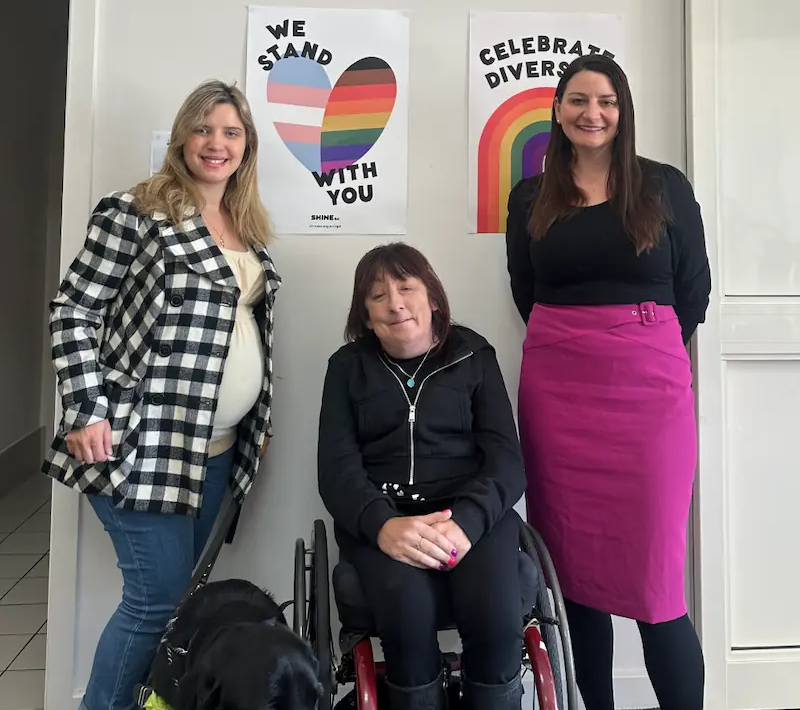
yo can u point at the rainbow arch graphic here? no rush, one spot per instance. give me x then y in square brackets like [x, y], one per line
[512, 146]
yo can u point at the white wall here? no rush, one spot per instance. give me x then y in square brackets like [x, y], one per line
[114, 103]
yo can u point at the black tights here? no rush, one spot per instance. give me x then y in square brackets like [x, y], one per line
[672, 655]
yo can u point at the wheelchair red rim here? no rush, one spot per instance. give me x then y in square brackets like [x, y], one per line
[542, 670]
[366, 686]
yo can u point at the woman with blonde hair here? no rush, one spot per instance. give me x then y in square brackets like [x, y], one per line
[162, 344]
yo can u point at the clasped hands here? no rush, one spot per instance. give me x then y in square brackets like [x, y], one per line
[432, 541]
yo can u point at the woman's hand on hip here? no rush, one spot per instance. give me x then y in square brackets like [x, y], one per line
[457, 538]
[92, 444]
[415, 541]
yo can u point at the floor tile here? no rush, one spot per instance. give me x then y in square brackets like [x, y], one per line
[35, 481]
[37, 489]
[31, 590]
[19, 505]
[11, 519]
[22, 690]
[32, 657]
[40, 484]
[17, 566]
[19, 543]
[42, 568]
[10, 646]
[5, 586]
[22, 619]
[38, 522]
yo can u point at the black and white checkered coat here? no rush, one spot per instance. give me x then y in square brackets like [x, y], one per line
[140, 330]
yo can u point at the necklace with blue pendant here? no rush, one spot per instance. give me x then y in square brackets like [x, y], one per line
[412, 379]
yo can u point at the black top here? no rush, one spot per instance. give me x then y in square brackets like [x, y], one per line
[461, 449]
[587, 259]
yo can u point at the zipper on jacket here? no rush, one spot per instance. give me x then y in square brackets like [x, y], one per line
[412, 408]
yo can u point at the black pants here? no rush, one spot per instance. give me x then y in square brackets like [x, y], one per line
[483, 591]
[672, 655]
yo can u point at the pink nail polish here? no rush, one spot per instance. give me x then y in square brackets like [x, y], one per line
[452, 561]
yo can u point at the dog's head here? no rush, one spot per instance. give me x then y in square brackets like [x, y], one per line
[251, 666]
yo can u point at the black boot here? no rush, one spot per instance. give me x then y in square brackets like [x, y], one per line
[420, 697]
[506, 696]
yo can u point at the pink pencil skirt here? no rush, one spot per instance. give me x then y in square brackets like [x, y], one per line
[607, 424]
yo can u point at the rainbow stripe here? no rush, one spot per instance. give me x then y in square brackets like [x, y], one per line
[512, 146]
[357, 111]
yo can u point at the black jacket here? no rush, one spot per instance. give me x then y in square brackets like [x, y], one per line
[588, 259]
[460, 445]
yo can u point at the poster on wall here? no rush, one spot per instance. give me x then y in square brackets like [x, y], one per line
[329, 94]
[515, 62]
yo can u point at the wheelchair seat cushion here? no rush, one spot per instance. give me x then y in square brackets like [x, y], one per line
[357, 618]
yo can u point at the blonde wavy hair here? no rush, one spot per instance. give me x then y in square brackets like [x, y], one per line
[173, 190]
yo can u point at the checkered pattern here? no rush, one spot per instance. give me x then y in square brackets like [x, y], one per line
[140, 330]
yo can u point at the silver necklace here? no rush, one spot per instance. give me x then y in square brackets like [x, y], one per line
[411, 381]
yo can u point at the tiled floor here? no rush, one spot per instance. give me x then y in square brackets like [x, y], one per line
[24, 545]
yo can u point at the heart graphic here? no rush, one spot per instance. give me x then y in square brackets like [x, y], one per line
[356, 110]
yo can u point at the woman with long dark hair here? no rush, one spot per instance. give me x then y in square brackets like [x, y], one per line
[608, 267]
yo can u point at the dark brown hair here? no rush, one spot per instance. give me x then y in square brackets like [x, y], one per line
[400, 261]
[638, 203]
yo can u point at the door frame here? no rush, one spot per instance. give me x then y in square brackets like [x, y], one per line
[710, 515]
[75, 206]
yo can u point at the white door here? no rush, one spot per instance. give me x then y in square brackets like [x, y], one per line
[745, 152]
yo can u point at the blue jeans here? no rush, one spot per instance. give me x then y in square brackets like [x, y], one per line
[156, 554]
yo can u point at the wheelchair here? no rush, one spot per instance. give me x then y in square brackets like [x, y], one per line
[546, 652]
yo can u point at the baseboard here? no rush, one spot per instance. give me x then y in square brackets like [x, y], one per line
[21, 460]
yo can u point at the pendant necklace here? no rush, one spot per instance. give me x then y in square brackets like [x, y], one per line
[411, 381]
[221, 234]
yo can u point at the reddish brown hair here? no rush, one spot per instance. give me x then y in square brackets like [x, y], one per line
[400, 261]
[637, 202]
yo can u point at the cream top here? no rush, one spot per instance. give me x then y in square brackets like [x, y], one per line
[243, 375]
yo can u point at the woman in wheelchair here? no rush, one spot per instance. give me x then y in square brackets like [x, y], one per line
[419, 465]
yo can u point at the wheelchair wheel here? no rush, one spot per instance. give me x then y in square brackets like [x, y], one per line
[318, 632]
[534, 546]
[299, 604]
[366, 681]
[546, 692]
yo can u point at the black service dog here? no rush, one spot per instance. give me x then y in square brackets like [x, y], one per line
[229, 648]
